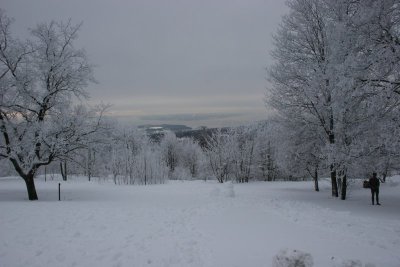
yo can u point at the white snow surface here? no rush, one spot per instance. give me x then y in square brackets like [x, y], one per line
[196, 223]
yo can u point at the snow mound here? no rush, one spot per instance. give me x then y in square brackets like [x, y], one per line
[292, 258]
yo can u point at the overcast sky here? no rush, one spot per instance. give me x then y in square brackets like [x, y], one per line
[172, 61]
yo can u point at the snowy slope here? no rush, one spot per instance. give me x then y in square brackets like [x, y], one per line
[195, 224]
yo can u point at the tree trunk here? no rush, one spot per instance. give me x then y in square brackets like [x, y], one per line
[145, 171]
[89, 164]
[30, 186]
[385, 173]
[316, 180]
[28, 178]
[332, 142]
[344, 187]
[269, 168]
[334, 182]
[63, 170]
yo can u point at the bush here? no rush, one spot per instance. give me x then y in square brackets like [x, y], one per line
[292, 258]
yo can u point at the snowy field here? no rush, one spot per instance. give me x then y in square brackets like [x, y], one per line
[195, 224]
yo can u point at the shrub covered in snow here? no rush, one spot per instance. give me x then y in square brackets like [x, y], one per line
[292, 258]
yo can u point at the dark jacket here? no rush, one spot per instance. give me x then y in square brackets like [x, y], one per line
[374, 183]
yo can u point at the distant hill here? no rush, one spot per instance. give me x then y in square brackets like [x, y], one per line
[160, 128]
[200, 135]
[157, 131]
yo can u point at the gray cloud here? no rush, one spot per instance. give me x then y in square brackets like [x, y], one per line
[162, 57]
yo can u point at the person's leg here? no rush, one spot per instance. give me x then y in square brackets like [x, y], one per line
[372, 196]
[377, 196]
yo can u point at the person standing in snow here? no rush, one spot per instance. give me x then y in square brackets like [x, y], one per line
[374, 184]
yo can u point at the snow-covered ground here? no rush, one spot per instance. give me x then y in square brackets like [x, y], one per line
[195, 224]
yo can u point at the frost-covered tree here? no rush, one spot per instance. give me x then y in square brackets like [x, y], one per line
[365, 53]
[39, 79]
[268, 142]
[218, 152]
[378, 150]
[92, 160]
[133, 142]
[191, 156]
[336, 69]
[304, 149]
[126, 146]
[134, 158]
[150, 166]
[243, 153]
[301, 89]
[242, 141]
[116, 164]
[170, 148]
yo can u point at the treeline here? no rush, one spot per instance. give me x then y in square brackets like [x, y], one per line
[266, 151]
[128, 155]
